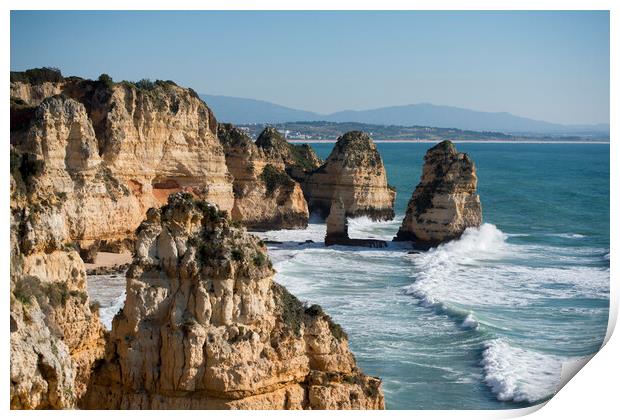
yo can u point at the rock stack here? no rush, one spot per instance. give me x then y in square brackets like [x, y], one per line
[353, 171]
[337, 229]
[266, 197]
[445, 201]
[204, 326]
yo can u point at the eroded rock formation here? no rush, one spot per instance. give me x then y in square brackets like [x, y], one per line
[353, 171]
[445, 201]
[113, 150]
[298, 160]
[204, 326]
[55, 335]
[266, 197]
[337, 228]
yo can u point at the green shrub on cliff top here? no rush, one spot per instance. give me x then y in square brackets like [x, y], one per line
[274, 179]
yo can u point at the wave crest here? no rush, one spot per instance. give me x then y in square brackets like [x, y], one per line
[519, 375]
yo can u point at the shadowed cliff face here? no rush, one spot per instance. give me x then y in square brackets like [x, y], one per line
[354, 172]
[445, 201]
[205, 326]
[266, 197]
[115, 150]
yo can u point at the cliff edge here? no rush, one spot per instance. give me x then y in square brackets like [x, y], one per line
[204, 326]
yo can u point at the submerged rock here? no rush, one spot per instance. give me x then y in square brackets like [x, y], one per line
[353, 171]
[266, 197]
[204, 326]
[445, 201]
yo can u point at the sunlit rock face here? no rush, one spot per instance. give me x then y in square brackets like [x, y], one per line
[445, 201]
[266, 197]
[114, 150]
[204, 326]
[56, 336]
[354, 172]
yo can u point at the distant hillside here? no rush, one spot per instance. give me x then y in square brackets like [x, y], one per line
[250, 111]
[464, 119]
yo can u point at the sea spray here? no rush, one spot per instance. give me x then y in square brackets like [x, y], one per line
[516, 374]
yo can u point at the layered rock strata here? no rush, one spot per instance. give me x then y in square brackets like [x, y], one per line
[266, 197]
[113, 150]
[204, 326]
[445, 201]
[354, 172]
[56, 335]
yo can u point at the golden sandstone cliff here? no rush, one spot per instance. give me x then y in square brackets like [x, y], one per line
[55, 335]
[204, 326]
[266, 197]
[445, 201]
[88, 158]
[115, 150]
[353, 172]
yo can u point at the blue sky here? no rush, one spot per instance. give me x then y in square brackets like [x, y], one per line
[552, 66]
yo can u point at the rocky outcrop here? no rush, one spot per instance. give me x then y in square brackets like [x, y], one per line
[205, 327]
[338, 230]
[445, 201]
[336, 223]
[113, 150]
[353, 171]
[298, 160]
[266, 197]
[55, 335]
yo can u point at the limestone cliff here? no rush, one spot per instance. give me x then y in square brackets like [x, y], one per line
[337, 229]
[445, 201]
[55, 336]
[298, 160]
[204, 326]
[354, 172]
[266, 197]
[113, 150]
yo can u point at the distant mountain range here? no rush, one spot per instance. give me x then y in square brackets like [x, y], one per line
[252, 111]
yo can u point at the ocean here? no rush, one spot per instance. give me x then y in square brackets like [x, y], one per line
[482, 322]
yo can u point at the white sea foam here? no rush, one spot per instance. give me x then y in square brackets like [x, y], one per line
[470, 321]
[482, 268]
[107, 314]
[568, 235]
[519, 375]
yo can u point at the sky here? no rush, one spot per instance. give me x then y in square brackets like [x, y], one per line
[551, 66]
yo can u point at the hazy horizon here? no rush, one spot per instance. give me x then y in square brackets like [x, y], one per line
[550, 66]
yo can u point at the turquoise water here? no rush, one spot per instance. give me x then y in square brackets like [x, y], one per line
[487, 321]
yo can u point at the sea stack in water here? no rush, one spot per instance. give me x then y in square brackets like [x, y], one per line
[204, 326]
[337, 229]
[353, 171]
[266, 197]
[445, 201]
